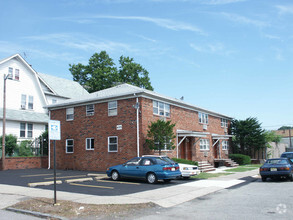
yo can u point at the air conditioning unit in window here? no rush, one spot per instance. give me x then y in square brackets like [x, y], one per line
[22, 106]
[206, 154]
[226, 130]
[205, 127]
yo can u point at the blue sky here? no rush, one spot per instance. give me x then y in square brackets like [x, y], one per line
[229, 56]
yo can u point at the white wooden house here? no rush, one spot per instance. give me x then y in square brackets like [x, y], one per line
[27, 92]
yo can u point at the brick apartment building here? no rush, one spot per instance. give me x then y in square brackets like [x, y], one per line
[109, 127]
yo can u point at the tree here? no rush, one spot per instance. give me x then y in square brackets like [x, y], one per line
[285, 128]
[101, 73]
[248, 136]
[160, 135]
[10, 144]
[133, 73]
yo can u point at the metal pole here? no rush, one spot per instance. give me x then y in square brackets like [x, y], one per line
[55, 199]
[4, 122]
[290, 138]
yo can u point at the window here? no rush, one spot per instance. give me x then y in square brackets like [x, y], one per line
[29, 130]
[23, 101]
[10, 72]
[90, 110]
[16, 77]
[112, 108]
[225, 145]
[204, 144]
[90, 144]
[30, 102]
[69, 114]
[160, 108]
[69, 145]
[113, 144]
[224, 123]
[203, 118]
[22, 130]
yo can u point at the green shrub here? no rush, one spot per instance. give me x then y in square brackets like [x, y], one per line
[24, 149]
[179, 160]
[10, 144]
[241, 159]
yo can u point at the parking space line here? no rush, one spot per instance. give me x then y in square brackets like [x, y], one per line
[64, 177]
[38, 175]
[105, 187]
[109, 181]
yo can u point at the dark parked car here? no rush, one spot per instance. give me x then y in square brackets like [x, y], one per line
[277, 168]
[151, 169]
[288, 155]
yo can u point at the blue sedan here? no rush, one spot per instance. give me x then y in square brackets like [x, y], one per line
[277, 168]
[151, 169]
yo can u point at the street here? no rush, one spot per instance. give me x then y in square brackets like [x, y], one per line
[256, 200]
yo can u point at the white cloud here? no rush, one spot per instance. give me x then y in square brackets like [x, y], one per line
[244, 20]
[222, 2]
[285, 9]
[211, 48]
[272, 37]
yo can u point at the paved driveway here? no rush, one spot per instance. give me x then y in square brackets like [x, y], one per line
[86, 182]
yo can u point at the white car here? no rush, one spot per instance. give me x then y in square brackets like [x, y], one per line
[188, 170]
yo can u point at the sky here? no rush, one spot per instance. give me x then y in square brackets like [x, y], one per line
[233, 57]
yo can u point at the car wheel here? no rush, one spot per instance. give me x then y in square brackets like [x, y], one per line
[263, 178]
[115, 175]
[291, 177]
[167, 181]
[151, 178]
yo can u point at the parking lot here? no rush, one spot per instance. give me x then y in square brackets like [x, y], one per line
[86, 182]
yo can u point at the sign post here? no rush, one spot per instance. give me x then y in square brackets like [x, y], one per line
[54, 134]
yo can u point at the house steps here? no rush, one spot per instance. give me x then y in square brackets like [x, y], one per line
[226, 162]
[204, 166]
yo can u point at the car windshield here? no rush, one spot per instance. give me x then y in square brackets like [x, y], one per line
[277, 161]
[288, 155]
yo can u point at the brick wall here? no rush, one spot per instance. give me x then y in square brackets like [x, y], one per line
[14, 163]
[100, 126]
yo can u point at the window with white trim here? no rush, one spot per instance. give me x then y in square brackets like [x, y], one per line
[23, 101]
[90, 143]
[204, 144]
[90, 110]
[113, 144]
[22, 130]
[30, 102]
[161, 108]
[224, 123]
[69, 114]
[29, 130]
[10, 72]
[69, 146]
[112, 108]
[203, 118]
[16, 76]
[225, 145]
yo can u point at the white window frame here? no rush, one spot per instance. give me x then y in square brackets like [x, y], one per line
[112, 108]
[30, 102]
[204, 144]
[10, 72]
[225, 145]
[112, 144]
[16, 75]
[161, 108]
[224, 123]
[30, 128]
[89, 143]
[90, 109]
[69, 114]
[22, 132]
[203, 118]
[67, 145]
[23, 102]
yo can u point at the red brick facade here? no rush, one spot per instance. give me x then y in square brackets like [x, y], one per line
[100, 126]
[15, 163]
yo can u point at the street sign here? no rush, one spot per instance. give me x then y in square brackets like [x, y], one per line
[54, 130]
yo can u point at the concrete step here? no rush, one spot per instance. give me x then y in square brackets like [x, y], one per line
[204, 166]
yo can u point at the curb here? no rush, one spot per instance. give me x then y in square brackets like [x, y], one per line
[37, 214]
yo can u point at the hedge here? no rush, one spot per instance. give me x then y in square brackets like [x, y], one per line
[241, 159]
[179, 160]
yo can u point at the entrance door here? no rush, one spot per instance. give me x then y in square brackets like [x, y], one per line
[216, 150]
[186, 151]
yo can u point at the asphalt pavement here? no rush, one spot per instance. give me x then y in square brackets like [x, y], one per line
[165, 195]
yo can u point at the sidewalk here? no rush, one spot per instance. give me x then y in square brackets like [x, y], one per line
[165, 197]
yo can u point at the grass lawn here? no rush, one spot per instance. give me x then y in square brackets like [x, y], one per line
[204, 175]
[244, 168]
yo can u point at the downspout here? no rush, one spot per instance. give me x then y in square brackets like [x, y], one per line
[49, 146]
[137, 124]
